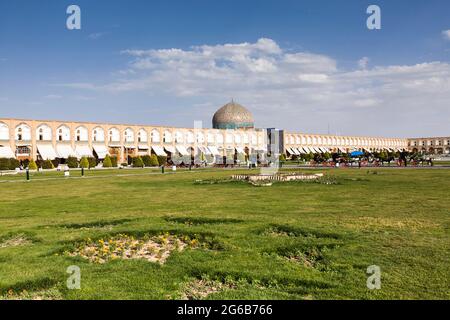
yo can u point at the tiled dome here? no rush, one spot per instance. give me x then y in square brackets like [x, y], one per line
[233, 116]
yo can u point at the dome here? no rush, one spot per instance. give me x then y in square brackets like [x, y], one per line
[232, 116]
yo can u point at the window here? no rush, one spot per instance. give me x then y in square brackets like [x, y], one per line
[41, 134]
[19, 134]
[78, 135]
[60, 137]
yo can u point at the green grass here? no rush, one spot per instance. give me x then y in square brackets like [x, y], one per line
[288, 241]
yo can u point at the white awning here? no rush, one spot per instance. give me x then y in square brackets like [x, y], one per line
[289, 150]
[6, 152]
[64, 151]
[47, 151]
[170, 149]
[342, 150]
[239, 150]
[143, 147]
[83, 151]
[297, 151]
[114, 144]
[159, 151]
[307, 150]
[317, 149]
[204, 150]
[324, 150]
[182, 150]
[214, 151]
[101, 151]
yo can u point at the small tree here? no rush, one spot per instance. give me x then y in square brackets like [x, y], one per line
[47, 164]
[72, 162]
[154, 161]
[32, 165]
[4, 164]
[147, 160]
[13, 163]
[282, 157]
[107, 162]
[114, 162]
[162, 160]
[137, 162]
[84, 163]
[92, 162]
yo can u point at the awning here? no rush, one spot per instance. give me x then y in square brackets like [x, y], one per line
[83, 151]
[204, 150]
[170, 149]
[317, 150]
[47, 151]
[324, 150]
[114, 145]
[239, 150]
[342, 150]
[101, 151]
[64, 151]
[159, 151]
[182, 150]
[143, 147]
[214, 151]
[6, 152]
[307, 150]
[289, 150]
[299, 150]
[130, 147]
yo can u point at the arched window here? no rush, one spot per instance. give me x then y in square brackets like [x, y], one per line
[4, 132]
[155, 136]
[44, 133]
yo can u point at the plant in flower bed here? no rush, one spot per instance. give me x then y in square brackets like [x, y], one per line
[44, 294]
[14, 240]
[122, 246]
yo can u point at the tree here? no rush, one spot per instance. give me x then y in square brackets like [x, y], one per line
[47, 164]
[92, 162]
[162, 160]
[13, 164]
[137, 162]
[107, 162]
[147, 160]
[114, 161]
[154, 161]
[282, 157]
[72, 162]
[4, 164]
[84, 163]
[32, 165]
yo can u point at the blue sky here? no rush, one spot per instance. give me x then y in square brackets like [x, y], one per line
[117, 67]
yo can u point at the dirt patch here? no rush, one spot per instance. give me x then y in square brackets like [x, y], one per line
[290, 231]
[310, 256]
[200, 220]
[151, 248]
[103, 224]
[201, 288]
[15, 240]
[44, 294]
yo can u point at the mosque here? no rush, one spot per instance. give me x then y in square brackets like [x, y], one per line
[233, 136]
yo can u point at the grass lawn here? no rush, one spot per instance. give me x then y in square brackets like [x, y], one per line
[288, 241]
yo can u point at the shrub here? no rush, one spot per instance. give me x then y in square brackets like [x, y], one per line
[25, 163]
[47, 164]
[282, 157]
[147, 160]
[13, 164]
[32, 165]
[154, 161]
[4, 164]
[137, 162]
[92, 162]
[107, 162]
[114, 162]
[84, 163]
[162, 160]
[56, 162]
[72, 162]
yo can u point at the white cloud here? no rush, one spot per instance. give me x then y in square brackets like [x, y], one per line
[96, 35]
[363, 62]
[446, 34]
[289, 89]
